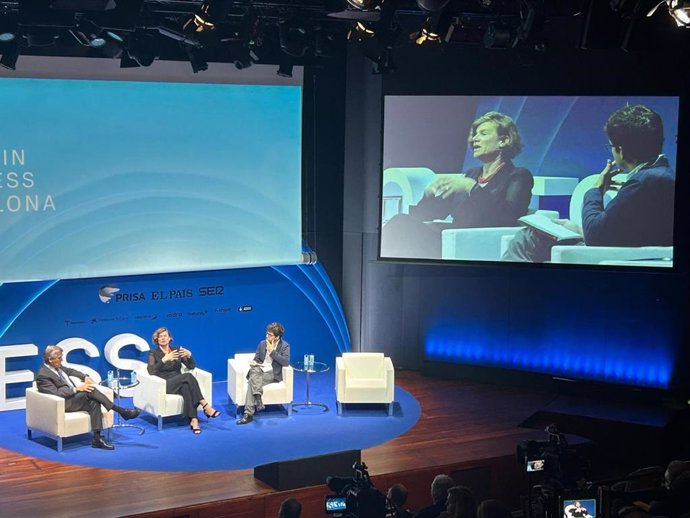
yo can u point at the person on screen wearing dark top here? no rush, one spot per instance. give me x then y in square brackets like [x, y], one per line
[272, 354]
[166, 361]
[578, 510]
[495, 194]
[641, 214]
[54, 378]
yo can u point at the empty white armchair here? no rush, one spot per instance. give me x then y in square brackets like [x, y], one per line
[364, 378]
[279, 393]
[46, 413]
[150, 395]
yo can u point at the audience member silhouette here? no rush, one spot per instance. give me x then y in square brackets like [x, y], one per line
[290, 508]
[439, 493]
[397, 496]
[493, 509]
[460, 503]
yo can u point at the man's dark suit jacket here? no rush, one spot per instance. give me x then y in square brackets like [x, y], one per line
[50, 383]
[280, 357]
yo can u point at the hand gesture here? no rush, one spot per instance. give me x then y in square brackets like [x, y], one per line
[185, 353]
[448, 185]
[270, 346]
[85, 387]
[605, 180]
[171, 355]
[570, 225]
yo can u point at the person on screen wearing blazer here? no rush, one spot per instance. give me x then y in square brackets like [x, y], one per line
[54, 378]
[495, 194]
[272, 354]
[166, 362]
[641, 214]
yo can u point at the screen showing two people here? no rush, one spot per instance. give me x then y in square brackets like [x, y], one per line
[579, 180]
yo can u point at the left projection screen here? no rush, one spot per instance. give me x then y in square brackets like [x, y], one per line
[113, 177]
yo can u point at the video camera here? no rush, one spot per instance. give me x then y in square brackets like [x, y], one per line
[355, 497]
[559, 469]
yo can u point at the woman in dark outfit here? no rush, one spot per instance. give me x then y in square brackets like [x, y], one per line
[166, 362]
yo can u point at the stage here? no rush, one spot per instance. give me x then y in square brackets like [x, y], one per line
[468, 430]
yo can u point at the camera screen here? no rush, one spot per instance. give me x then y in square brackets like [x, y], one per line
[582, 508]
[335, 504]
[535, 465]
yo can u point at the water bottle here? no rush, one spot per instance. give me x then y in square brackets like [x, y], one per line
[306, 362]
[111, 375]
[311, 362]
[133, 377]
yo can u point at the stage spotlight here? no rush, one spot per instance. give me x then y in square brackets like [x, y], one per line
[499, 36]
[678, 9]
[140, 50]
[9, 29]
[293, 39]
[196, 60]
[364, 5]
[88, 34]
[429, 33]
[285, 68]
[432, 6]
[9, 54]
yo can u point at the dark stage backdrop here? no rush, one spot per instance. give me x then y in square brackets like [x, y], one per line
[626, 328]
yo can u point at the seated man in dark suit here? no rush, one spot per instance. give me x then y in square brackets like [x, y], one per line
[641, 214]
[271, 356]
[53, 378]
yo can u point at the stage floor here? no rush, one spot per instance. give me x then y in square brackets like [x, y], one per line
[468, 430]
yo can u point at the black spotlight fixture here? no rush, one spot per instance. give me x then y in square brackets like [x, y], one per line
[9, 29]
[139, 51]
[432, 6]
[196, 59]
[429, 34]
[364, 5]
[9, 54]
[678, 9]
[285, 67]
[88, 34]
[293, 38]
[499, 36]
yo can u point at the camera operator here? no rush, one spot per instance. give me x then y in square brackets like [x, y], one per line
[362, 499]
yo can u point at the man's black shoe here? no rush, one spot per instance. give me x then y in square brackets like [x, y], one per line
[129, 413]
[246, 418]
[99, 442]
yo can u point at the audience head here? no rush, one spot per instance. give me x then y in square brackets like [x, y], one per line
[397, 495]
[493, 509]
[276, 329]
[633, 511]
[290, 508]
[638, 130]
[158, 332]
[439, 488]
[461, 503]
[675, 470]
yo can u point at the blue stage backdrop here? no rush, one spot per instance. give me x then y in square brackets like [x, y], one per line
[214, 314]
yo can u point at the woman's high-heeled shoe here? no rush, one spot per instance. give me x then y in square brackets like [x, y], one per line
[195, 431]
[215, 413]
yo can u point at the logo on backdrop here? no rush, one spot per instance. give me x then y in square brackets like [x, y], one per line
[110, 292]
[17, 184]
[106, 293]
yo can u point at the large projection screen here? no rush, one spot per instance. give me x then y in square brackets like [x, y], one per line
[161, 172]
[519, 179]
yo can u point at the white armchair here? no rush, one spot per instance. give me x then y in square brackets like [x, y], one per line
[46, 413]
[150, 395]
[364, 378]
[274, 393]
